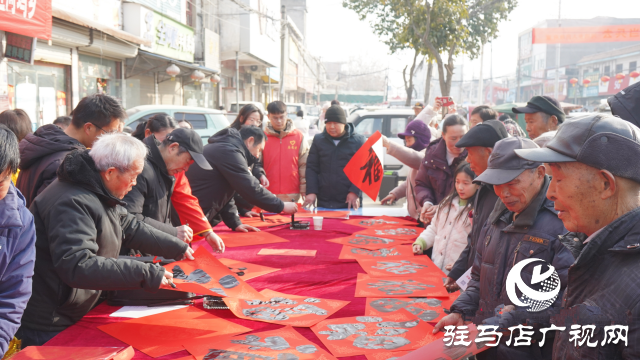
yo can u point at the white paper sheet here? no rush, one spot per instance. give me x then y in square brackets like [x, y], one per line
[136, 312]
[463, 282]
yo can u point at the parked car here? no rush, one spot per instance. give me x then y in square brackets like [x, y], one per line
[389, 122]
[233, 109]
[205, 122]
[293, 108]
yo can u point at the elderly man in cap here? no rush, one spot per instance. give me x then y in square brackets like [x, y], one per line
[479, 142]
[597, 192]
[542, 114]
[417, 109]
[522, 226]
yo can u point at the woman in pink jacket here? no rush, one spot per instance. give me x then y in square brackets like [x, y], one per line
[416, 137]
[451, 224]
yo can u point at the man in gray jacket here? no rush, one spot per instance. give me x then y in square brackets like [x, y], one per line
[523, 226]
[81, 225]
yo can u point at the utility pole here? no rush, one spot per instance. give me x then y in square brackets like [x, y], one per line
[480, 83]
[283, 42]
[491, 76]
[238, 81]
[556, 89]
[318, 78]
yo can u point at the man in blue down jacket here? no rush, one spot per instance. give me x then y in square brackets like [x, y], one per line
[17, 239]
[523, 225]
[596, 189]
[329, 154]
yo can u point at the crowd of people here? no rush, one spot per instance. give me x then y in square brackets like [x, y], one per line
[80, 202]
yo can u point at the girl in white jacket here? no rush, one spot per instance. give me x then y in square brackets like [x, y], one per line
[451, 224]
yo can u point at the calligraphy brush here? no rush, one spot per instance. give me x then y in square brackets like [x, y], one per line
[262, 216]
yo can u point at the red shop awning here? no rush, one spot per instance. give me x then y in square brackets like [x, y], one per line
[27, 17]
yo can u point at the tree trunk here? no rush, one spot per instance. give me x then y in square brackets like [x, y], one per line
[449, 76]
[427, 85]
[408, 85]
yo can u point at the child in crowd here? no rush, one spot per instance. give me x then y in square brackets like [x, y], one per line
[451, 224]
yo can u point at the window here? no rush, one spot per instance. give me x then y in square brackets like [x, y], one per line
[618, 68]
[396, 126]
[133, 125]
[198, 121]
[219, 121]
[607, 70]
[368, 126]
[633, 66]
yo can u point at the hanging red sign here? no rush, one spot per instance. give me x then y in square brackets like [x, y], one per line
[26, 17]
[366, 167]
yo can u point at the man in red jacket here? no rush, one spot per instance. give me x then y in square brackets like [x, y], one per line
[285, 155]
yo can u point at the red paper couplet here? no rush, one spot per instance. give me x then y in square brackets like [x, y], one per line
[207, 275]
[269, 220]
[417, 266]
[365, 169]
[246, 270]
[438, 349]
[393, 232]
[284, 309]
[165, 333]
[328, 214]
[284, 343]
[367, 286]
[396, 252]
[371, 334]
[381, 221]
[75, 353]
[426, 309]
[237, 239]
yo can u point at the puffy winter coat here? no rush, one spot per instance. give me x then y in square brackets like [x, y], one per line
[435, 177]
[412, 159]
[503, 243]
[40, 156]
[484, 203]
[80, 228]
[150, 199]
[603, 289]
[285, 161]
[230, 159]
[447, 234]
[17, 240]
[325, 168]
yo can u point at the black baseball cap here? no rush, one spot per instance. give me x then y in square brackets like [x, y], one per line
[601, 141]
[485, 134]
[418, 104]
[545, 104]
[190, 140]
[504, 165]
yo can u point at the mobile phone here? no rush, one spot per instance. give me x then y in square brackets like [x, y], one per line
[446, 101]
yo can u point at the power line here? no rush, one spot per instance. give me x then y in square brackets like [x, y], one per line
[371, 73]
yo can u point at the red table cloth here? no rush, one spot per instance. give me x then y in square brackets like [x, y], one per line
[323, 276]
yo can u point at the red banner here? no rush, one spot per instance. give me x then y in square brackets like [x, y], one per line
[26, 17]
[365, 169]
[590, 34]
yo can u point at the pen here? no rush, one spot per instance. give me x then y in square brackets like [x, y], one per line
[189, 241]
[172, 284]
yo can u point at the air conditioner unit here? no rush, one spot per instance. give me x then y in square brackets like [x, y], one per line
[254, 67]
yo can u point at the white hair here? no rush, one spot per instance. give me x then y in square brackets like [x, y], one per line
[118, 151]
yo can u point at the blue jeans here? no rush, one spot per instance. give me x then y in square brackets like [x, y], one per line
[34, 337]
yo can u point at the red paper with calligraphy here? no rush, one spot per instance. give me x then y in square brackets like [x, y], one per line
[441, 349]
[366, 242]
[366, 167]
[409, 233]
[27, 17]
[417, 266]
[284, 343]
[246, 270]
[207, 275]
[380, 221]
[284, 309]
[367, 286]
[396, 252]
[426, 309]
[361, 335]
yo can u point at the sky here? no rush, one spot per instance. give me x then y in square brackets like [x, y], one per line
[336, 33]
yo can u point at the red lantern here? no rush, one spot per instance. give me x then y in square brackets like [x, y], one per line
[634, 74]
[586, 82]
[620, 76]
[573, 81]
[604, 79]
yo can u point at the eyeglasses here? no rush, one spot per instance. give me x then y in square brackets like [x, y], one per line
[105, 131]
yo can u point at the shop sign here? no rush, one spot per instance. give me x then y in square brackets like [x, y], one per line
[170, 8]
[20, 48]
[105, 12]
[168, 37]
[211, 49]
[26, 17]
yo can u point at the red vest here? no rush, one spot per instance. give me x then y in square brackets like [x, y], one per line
[280, 161]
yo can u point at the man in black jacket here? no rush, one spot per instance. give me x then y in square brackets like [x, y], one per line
[150, 198]
[596, 190]
[42, 152]
[329, 154]
[479, 142]
[81, 225]
[231, 153]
